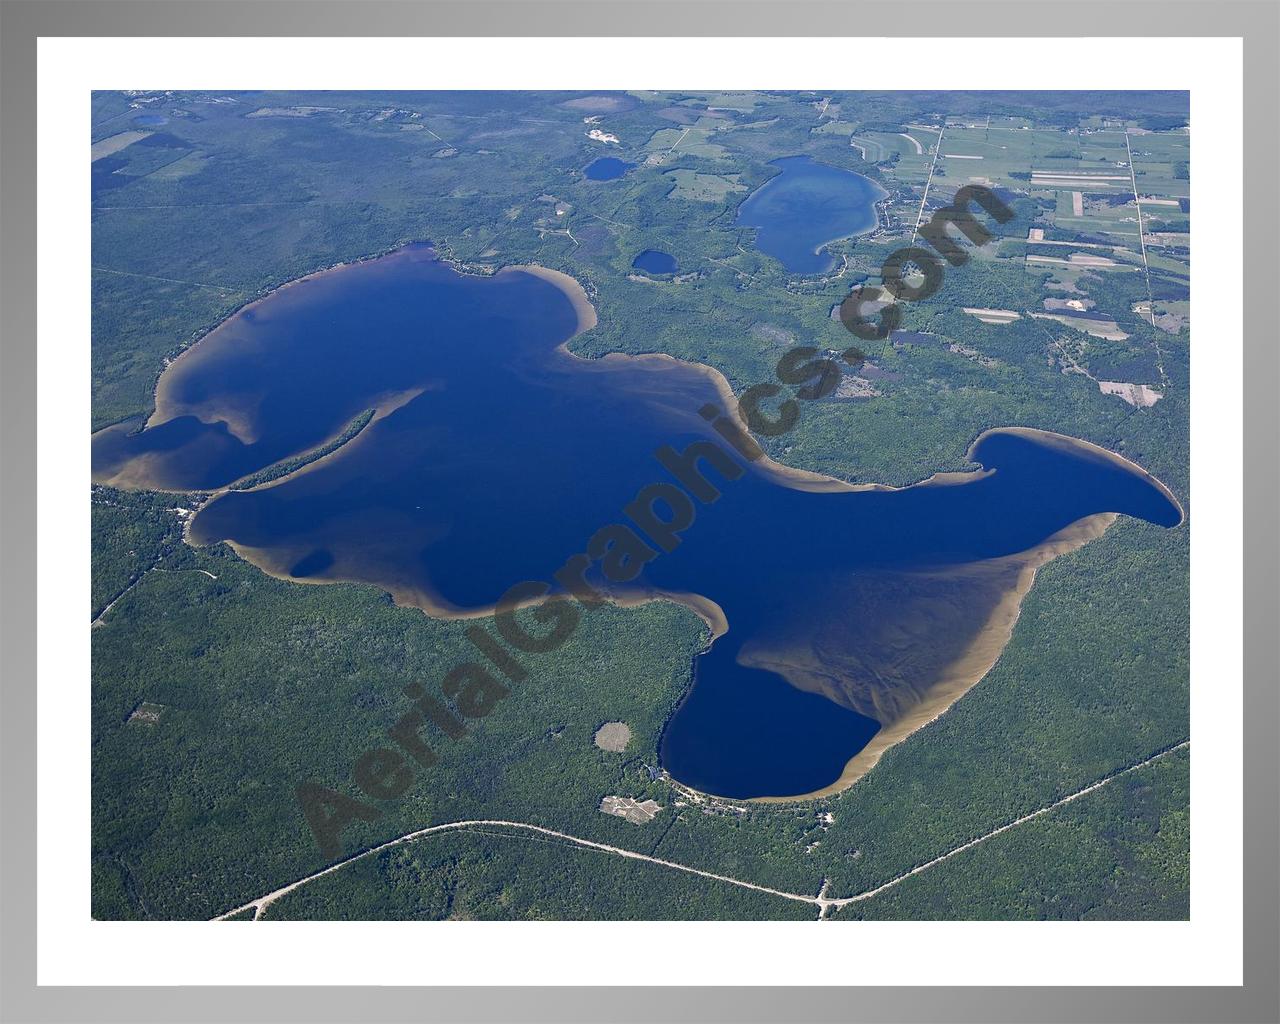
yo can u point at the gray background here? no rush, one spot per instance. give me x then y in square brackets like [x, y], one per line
[1258, 21]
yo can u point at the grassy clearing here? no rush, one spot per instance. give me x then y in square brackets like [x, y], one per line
[703, 188]
[114, 144]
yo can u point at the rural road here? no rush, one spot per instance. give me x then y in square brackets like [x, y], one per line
[102, 615]
[823, 902]
[929, 181]
[1146, 267]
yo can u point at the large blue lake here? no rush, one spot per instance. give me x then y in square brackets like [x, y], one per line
[498, 454]
[804, 207]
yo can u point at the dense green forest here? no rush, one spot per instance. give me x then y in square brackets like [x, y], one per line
[1118, 854]
[263, 684]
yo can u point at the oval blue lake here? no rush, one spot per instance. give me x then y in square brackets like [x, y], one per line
[495, 456]
[654, 261]
[606, 168]
[150, 120]
[804, 207]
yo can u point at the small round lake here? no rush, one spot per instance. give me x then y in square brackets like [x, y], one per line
[805, 207]
[654, 261]
[607, 168]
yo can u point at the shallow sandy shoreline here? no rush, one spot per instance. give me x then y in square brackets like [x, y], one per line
[163, 407]
[972, 667]
[436, 607]
[569, 285]
[1063, 441]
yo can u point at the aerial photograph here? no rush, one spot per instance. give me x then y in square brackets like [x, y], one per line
[640, 505]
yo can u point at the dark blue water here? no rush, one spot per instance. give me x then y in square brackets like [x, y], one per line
[654, 261]
[504, 454]
[607, 168]
[150, 120]
[805, 206]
